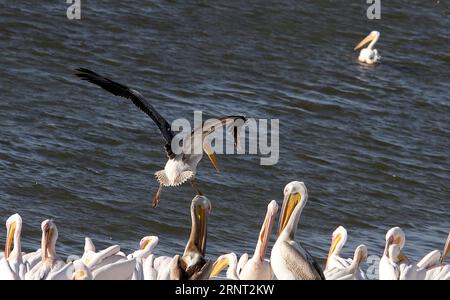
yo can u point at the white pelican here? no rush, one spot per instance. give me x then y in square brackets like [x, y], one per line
[149, 272]
[228, 261]
[395, 236]
[339, 238]
[161, 265]
[351, 271]
[193, 265]
[94, 260]
[6, 273]
[391, 268]
[75, 270]
[434, 263]
[50, 261]
[119, 270]
[14, 257]
[146, 246]
[257, 268]
[369, 55]
[179, 168]
[241, 262]
[289, 259]
[107, 264]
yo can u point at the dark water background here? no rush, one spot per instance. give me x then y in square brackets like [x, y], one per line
[371, 143]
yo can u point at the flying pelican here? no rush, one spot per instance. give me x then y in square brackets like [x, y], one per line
[289, 259]
[179, 168]
[395, 236]
[14, 257]
[257, 268]
[228, 261]
[339, 238]
[350, 271]
[50, 261]
[193, 265]
[369, 55]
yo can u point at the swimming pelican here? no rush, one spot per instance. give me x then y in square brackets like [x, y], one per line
[228, 261]
[434, 263]
[391, 268]
[289, 259]
[395, 236]
[75, 270]
[107, 264]
[50, 261]
[162, 266]
[369, 55]
[94, 260]
[14, 257]
[146, 246]
[149, 272]
[120, 270]
[339, 238]
[193, 265]
[81, 271]
[350, 271]
[180, 168]
[257, 268]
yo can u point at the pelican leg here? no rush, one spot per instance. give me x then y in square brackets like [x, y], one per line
[157, 197]
[195, 187]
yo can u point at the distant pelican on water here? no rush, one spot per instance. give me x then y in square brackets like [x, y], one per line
[179, 168]
[369, 55]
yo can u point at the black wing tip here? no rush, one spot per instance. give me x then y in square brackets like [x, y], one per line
[84, 73]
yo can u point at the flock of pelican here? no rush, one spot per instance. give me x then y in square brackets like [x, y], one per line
[288, 258]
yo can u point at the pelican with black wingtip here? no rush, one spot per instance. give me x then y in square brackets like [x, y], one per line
[180, 167]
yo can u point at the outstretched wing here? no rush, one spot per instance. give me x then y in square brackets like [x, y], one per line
[232, 123]
[138, 100]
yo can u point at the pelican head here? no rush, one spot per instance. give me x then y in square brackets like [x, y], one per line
[226, 260]
[395, 236]
[13, 228]
[360, 254]
[295, 198]
[49, 237]
[148, 243]
[200, 210]
[371, 38]
[338, 239]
